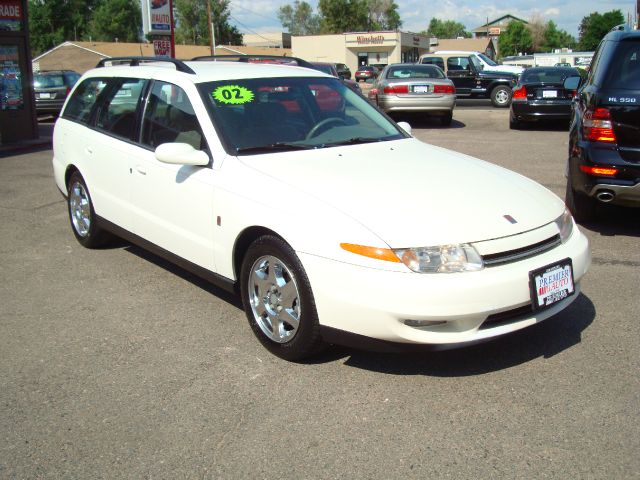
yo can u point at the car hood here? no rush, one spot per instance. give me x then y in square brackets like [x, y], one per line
[412, 194]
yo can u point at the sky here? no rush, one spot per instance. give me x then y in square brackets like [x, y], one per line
[261, 16]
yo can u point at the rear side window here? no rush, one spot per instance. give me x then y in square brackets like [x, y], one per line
[457, 63]
[170, 117]
[83, 99]
[624, 66]
[438, 61]
[118, 114]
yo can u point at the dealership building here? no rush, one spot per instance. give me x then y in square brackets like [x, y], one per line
[361, 48]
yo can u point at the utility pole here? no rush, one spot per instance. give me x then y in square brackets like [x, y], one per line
[212, 35]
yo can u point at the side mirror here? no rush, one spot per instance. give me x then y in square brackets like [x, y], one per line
[405, 126]
[572, 83]
[181, 154]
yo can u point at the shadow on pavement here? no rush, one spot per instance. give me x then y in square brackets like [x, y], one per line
[613, 220]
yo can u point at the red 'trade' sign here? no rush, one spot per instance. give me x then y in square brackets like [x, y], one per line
[11, 15]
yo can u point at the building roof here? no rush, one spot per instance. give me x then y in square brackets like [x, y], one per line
[502, 21]
[123, 49]
[464, 44]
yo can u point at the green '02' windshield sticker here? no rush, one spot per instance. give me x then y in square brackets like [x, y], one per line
[233, 94]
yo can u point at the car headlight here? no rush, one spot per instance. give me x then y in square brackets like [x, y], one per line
[441, 259]
[565, 225]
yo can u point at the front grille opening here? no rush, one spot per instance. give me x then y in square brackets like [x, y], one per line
[508, 316]
[510, 256]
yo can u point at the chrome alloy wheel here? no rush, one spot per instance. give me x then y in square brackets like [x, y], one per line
[80, 209]
[274, 298]
[502, 97]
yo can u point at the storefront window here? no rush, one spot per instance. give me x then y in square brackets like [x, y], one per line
[10, 78]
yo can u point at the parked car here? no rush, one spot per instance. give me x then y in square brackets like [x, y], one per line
[367, 72]
[343, 71]
[471, 79]
[330, 69]
[540, 96]
[481, 61]
[407, 87]
[51, 89]
[238, 173]
[604, 144]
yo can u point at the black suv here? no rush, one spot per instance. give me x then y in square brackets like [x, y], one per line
[51, 89]
[604, 137]
[470, 80]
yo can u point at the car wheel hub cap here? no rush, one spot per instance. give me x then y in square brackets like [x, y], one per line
[274, 298]
[80, 209]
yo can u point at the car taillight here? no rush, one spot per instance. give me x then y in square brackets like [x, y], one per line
[68, 92]
[396, 89]
[444, 89]
[597, 126]
[599, 171]
[519, 94]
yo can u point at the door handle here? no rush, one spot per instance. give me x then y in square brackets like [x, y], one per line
[140, 170]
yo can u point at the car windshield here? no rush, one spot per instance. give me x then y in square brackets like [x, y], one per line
[264, 114]
[548, 75]
[414, 71]
[487, 60]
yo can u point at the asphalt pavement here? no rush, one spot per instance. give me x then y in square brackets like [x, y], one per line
[115, 364]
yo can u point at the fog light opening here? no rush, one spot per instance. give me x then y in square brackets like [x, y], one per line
[423, 323]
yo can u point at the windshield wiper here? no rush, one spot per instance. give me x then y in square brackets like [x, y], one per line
[278, 146]
[356, 141]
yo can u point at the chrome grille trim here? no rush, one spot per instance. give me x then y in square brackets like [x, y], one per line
[510, 256]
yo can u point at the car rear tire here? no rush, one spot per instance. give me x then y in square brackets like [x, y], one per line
[582, 207]
[82, 215]
[446, 119]
[278, 300]
[501, 96]
[514, 124]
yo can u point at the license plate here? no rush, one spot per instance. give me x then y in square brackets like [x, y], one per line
[551, 284]
[45, 95]
[550, 94]
[421, 89]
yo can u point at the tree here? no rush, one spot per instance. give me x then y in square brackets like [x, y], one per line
[117, 20]
[192, 23]
[299, 19]
[52, 22]
[383, 15]
[595, 26]
[554, 38]
[516, 39]
[537, 27]
[446, 29]
[339, 16]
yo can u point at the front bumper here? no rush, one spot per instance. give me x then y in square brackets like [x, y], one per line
[377, 304]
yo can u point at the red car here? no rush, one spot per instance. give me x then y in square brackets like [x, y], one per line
[367, 72]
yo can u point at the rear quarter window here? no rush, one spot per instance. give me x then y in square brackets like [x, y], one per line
[623, 71]
[438, 61]
[83, 99]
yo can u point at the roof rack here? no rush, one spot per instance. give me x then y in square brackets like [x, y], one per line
[273, 59]
[137, 61]
[623, 27]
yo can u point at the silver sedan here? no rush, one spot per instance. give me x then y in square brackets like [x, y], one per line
[415, 88]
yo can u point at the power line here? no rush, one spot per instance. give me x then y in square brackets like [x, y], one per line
[235, 5]
[253, 31]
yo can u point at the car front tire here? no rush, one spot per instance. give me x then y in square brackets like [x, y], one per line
[278, 301]
[82, 215]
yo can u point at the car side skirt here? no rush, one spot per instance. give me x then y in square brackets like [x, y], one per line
[211, 277]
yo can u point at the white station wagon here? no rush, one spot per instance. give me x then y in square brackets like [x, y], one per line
[332, 222]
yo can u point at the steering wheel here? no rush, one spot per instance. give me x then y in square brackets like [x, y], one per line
[316, 129]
